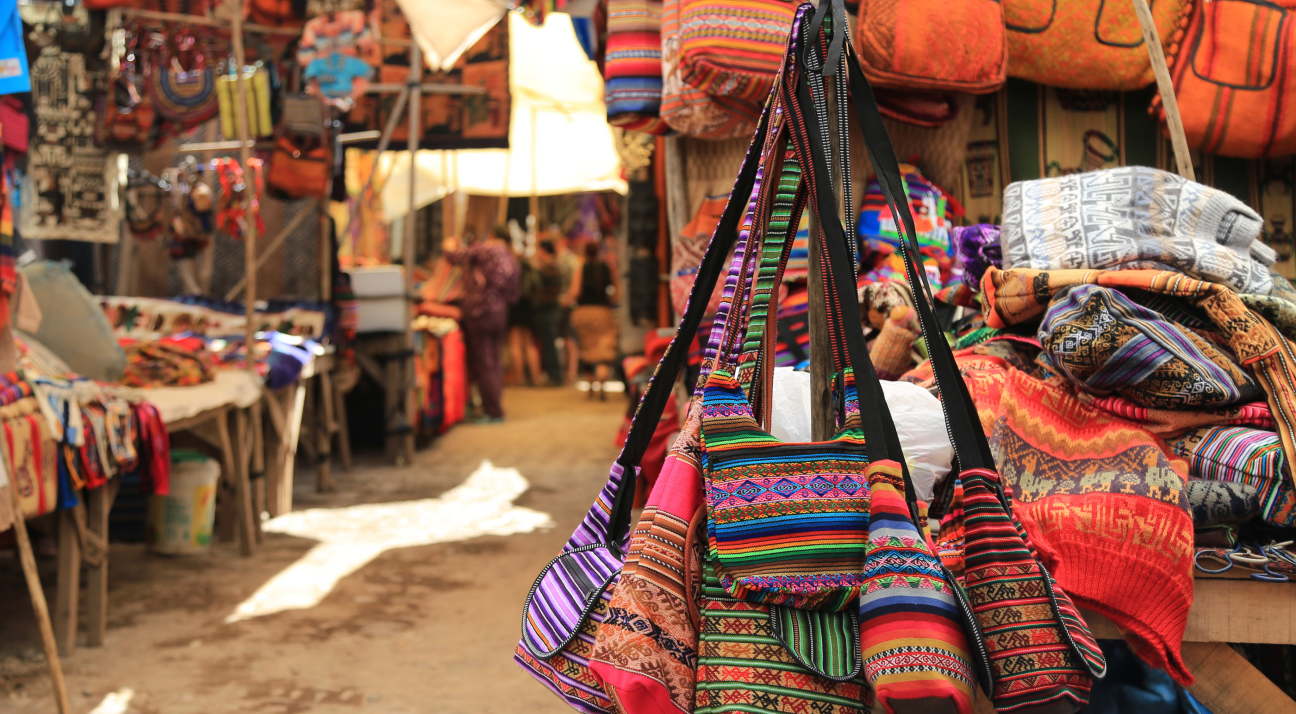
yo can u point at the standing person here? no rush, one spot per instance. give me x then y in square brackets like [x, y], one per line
[524, 358]
[570, 265]
[491, 285]
[594, 291]
[546, 309]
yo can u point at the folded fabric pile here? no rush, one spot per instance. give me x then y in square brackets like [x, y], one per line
[61, 433]
[1130, 369]
[166, 363]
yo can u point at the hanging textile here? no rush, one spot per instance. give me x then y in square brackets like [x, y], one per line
[71, 187]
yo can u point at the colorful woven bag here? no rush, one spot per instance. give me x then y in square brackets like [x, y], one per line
[184, 97]
[1040, 652]
[1041, 649]
[934, 45]
[912, 614]
[632, 68]
[733, 48]
[1233, 79]
[1085, 44]
[745, 664]
[569, 598]
[690, 110]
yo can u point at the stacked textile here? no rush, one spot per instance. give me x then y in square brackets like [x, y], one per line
[1129, 368]
[63, 433]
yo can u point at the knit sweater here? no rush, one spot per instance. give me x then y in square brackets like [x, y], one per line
[1135, 218]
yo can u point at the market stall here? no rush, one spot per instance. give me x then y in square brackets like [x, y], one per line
[1091, 264]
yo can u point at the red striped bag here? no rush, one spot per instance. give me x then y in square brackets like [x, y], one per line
[1234, 77]
[690, 110]
[732, 48]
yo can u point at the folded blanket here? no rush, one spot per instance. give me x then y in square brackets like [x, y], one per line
[1135, 218]
[1107, 343]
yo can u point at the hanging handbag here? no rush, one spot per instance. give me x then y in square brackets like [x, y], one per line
[733, 48]
[934, 45]
[1232, 78]
[1041, 654]
[300, 165]
[632, 69]
[689, 110]
[1085, 44]
[569, 597]
[186, 97]
[920, 644]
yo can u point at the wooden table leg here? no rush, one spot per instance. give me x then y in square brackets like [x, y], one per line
[343, 429]
[257, 470]
[39, 605]
[242, 491]
[69, 583]
[97, 575]
[394, 408]
[324, 434]
[296, 402]
[1228, 684]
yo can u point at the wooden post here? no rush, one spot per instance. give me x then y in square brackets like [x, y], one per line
[245, 156]
[823, 422]
[1165, 87]
[69, 583]
[233, 464]
[407, 394]
[38, 603]
[99, 503]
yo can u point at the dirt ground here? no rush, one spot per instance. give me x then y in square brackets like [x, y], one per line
[420, 629]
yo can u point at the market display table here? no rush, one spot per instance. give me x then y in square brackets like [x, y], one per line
[203, 410]
[1231, 610]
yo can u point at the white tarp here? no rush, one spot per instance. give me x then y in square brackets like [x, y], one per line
[445, 29]
[559, 138]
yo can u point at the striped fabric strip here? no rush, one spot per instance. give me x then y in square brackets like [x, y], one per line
[1040, 649]
[736, 276]
[774, 253]
[743, 667]
[913, 640]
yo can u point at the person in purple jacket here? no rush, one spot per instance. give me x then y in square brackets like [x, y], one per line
[491, 283]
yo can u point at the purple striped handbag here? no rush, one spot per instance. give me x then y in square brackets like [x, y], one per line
[569, 598]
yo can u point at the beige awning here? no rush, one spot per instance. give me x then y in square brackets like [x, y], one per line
[559, 138]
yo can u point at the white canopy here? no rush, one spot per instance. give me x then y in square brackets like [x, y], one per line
[559, 138]
[445, 29]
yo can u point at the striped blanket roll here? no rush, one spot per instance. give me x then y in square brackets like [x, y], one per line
[1243, 455]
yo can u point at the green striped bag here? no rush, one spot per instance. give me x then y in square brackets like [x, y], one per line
[763, 658]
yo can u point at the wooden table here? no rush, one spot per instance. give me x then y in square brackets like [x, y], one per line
[211, 426]
[1230, 610]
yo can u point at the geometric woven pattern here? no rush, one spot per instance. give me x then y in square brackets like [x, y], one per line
[787, 523]
[1040, 649]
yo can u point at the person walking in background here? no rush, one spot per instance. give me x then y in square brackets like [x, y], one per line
[594, 290]
[491, 284]
[546, 309]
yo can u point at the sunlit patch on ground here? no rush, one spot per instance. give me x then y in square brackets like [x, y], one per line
[349, 538]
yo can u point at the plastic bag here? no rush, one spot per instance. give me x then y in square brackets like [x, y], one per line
[918, 420]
